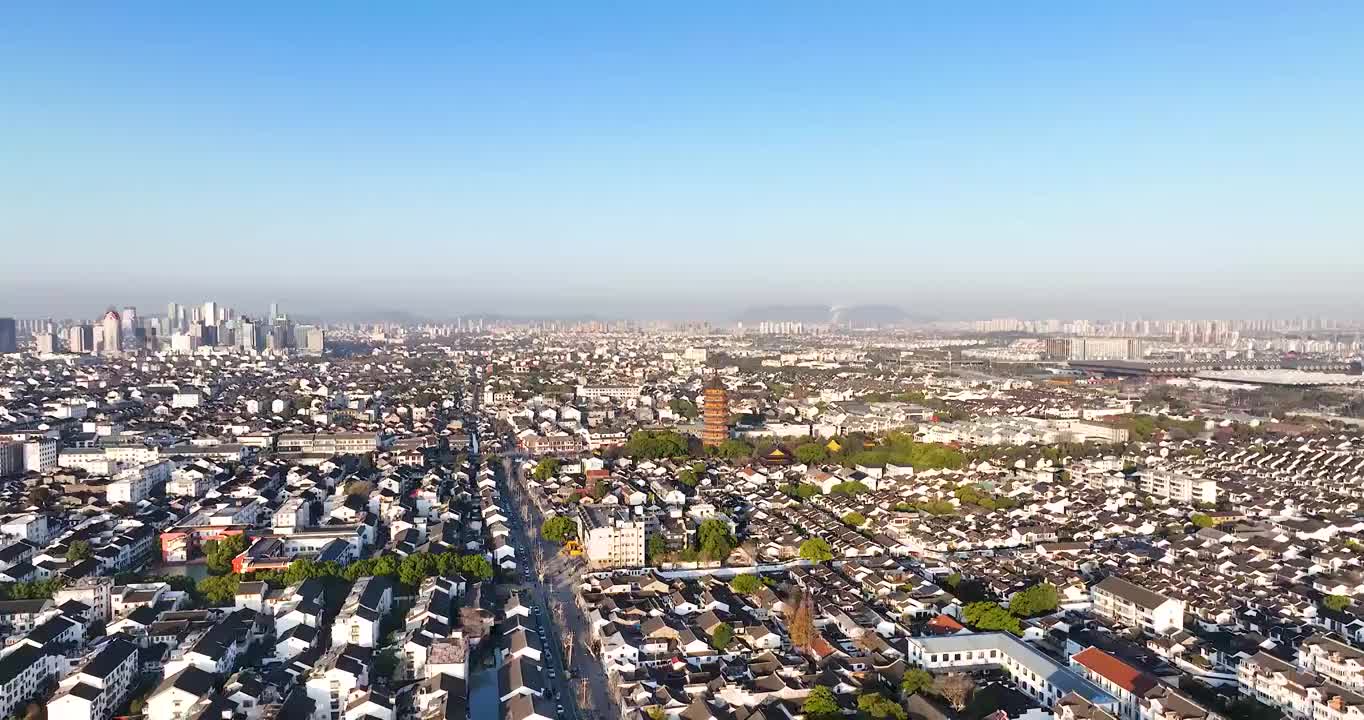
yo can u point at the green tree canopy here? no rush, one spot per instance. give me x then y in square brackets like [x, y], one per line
[713, 539]
[734, 449]
[218, 554]
[879, 707]
[816, 550]
[546, 469]
[1036, 600]
[219, 590]
[559, 529]
[851, 487]
[987, 616]
[746, 584]
[854, 519]
[1201, 520]
[1336, 602]
[77, 551]
[683, 407]
[721, 636]
[812, 453]
[656, 444]
[915, 681]
[820, 704]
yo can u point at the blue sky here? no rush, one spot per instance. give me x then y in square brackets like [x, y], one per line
[678, 159]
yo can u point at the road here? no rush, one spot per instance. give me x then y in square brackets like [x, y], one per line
[556, 588]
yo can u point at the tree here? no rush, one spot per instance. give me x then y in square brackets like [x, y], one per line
[801, 623]
[1201, 520]
[985, 615]
[851, 487]
[219, 590]
[721, 636]
[915, 681]
[820, 704]
[812, 453]
[656, 713]
[417, 567]
[734, 450]
[546, 469]
[219, 553]
[385, 664]
[559, 529]
[714, 540]
[879, 707]
[1036, 600]
[359, 487]
[816, 550]
[77, 551]
[801, 491]
[683, 407]
[40, 496]
[1336, 602]
[956, 689]
[656, 444]
[687, 477]
[656, 547]
[746, 584]
[476, 567]
[854, 519]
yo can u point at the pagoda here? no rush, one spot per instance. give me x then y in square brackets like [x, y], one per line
[715, 413]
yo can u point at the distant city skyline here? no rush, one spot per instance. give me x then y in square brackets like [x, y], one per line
[685, 161]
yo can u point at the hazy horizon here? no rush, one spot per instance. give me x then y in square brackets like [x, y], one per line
[1065, 160]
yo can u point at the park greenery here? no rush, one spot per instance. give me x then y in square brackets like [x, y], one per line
[1036, 600]
[987, 616]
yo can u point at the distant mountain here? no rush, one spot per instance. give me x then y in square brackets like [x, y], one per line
[857, 315]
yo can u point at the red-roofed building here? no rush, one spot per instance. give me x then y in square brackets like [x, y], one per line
[1140, 694]
[944, 625]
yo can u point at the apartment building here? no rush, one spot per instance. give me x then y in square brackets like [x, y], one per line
[610, 392]
[1132, 605]
[611, 537]
[1331, 657]
[23, 673]
[341, 443]
[1176, 487]
[1299, 695]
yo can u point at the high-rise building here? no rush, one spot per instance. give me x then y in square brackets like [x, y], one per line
[274, 313]
[113, 333]
[210, 313]
[715, 413]
[80, 339]
[46, 342]
[248, 336]
[9, 335]
[129, 318]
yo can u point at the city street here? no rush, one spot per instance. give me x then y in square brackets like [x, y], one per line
[553, 586]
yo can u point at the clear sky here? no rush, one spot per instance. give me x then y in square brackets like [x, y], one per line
[684, 158]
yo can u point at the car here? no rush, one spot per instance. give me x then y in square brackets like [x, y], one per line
[552, 674]
[559, 709]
